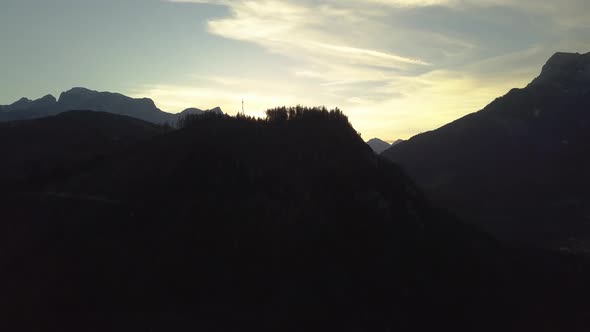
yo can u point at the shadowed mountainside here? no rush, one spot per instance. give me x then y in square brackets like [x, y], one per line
[519, 167]
[285, 224]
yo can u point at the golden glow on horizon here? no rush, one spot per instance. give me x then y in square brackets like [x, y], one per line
[393, 80]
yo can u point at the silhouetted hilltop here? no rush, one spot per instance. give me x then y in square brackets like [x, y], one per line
[85, 99]
[42, 147]
[378, 145]
[519, 167]
[285, 224]
[197, 111]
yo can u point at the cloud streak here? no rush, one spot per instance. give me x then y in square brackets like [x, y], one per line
[400, 67]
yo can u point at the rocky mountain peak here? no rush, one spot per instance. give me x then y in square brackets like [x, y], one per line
[566, 70]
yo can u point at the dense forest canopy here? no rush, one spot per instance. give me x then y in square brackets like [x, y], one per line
[273, 115]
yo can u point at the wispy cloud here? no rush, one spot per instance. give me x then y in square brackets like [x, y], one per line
[401, 66]
[317, 32]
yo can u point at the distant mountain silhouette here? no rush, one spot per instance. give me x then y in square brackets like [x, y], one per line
[144, 109]
[378, 145]
[519, 167]
[233, 224]
[24, 103]
[25, 109]
[85, 99]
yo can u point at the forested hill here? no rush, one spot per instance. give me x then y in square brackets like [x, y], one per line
[285, 224]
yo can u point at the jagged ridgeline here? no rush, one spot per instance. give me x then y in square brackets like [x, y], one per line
[63, 143]
[289, 223]
[84, 99]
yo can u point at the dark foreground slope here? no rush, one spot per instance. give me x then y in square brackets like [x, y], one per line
[280, 225]
[44, 147]
[519, 167]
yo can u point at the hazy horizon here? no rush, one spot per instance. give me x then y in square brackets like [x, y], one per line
[396, 67]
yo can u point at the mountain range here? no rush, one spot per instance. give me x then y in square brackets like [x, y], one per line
[519, 167]
[232, 223]
[85, 99]
[293, 222]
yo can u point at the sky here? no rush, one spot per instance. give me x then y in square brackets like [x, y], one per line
[395, 67]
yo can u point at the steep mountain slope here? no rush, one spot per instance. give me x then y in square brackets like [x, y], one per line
[519, 167]
[236, 224]
[378, 145]
[85, 99]
[42, 147]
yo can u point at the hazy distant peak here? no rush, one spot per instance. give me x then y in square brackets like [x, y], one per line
[84, 93]
[48, 97]
[80, 98]
[74, 95]
[378, 145]
[26, 103]
[47, 100]
[23, 102]
[375, 139]
[77, 92]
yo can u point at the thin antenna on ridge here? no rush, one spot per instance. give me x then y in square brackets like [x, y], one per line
[243, 112]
